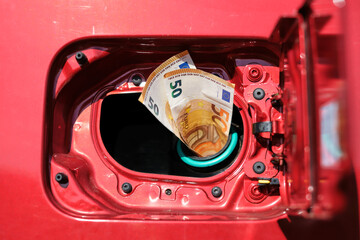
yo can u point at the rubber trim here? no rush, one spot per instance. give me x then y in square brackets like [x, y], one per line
[211, 162]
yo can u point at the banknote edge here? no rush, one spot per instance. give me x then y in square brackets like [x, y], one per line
[190, 70]
[157, 70]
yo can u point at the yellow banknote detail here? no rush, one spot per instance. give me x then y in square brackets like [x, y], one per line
[201, 109]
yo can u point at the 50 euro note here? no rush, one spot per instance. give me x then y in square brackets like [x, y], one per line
[154, 96]
[200, 108]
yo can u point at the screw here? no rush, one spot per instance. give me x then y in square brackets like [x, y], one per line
[259, 93]
[254, 74]
[81, 59]
[168, 192]
[256, 192]
[126, 187]
[62, 179]
[259, 167]
[136, 80]
[216, 192]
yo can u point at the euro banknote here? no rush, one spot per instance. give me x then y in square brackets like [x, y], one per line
[195, 105]
[153, 95]
[200, 104]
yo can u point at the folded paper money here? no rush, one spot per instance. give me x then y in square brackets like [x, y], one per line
[195, 105]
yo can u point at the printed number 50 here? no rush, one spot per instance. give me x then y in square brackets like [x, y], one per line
[177, 91]
[153, 106]
[219, 117]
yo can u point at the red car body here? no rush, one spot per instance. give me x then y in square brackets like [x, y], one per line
[34, 34]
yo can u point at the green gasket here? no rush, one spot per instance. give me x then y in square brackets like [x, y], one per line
[211, 162]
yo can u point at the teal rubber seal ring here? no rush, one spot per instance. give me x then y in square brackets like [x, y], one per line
[211, 162]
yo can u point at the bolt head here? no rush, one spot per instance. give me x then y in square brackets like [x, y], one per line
[79, 55]
[259, 167]
[136, 80]
[81, 58]
[259, 93]
[216, 192]
[126, 187]
[62, 179]
[254, 73]
[58, 177]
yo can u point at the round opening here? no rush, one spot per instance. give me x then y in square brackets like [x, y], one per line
[210, 161]
[136, 140]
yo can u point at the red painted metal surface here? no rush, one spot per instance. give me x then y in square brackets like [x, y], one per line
[34, 31]
[95, 175]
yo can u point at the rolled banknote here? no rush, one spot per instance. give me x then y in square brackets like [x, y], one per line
[200, 107]
[153, 95]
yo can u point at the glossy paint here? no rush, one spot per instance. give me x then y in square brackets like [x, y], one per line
[94, 174]
[33, 31]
